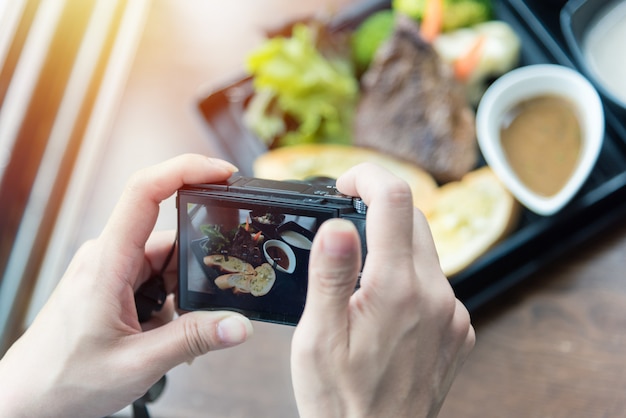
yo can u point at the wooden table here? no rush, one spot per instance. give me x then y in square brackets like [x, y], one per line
[553, 347]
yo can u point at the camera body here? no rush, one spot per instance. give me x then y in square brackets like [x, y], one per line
[244, 244]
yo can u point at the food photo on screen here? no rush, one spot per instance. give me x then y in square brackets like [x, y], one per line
[247, 258]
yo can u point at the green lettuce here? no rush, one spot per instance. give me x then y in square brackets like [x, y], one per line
[301, 96]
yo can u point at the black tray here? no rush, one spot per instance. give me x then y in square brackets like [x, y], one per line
[538, 240]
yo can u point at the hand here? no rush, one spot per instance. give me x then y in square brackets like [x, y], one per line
[85, 354]
[393, 347]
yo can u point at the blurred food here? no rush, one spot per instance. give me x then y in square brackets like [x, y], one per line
[328, 160]
[368, 37]
[305, 88]
[398, 90]
[454, 14]
[412, 107]
[239, 282]
[469, 217]
[258, 282]
[432, 20]
[541, 124]
[383, 85]
[541, 140]
[479, 54]
[228, 264]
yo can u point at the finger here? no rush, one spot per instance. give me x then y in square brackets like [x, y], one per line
[136, 213]
[189, 336]
[462, 324]
[389, 215]
[425, 258]
[334, 266]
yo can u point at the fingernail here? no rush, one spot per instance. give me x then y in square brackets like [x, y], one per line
[225, 164]
[342, 243]
[234, 330]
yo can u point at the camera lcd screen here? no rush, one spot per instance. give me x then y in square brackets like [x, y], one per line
[245, 256]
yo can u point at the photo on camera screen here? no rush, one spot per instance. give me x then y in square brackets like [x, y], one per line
[247, 257]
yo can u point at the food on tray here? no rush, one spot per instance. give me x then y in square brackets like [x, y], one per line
[305, 88]
[228, 264]
[468, 217]
[312, 85]
[263, 280]
[454, 13]
[479, 54]
[478, 49]
[330, 160]
[399, 90]
[412, 107]
[239, 282]
[258, 282]
[242, 277]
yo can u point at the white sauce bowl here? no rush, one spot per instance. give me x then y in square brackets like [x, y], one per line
[523, 84]
[286, 249]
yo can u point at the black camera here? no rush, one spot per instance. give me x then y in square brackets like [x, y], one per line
[244, 244]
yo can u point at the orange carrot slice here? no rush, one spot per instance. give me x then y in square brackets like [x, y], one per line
[432, 22]
[466, 64]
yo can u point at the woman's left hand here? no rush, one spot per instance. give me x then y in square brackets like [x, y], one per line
[86, 354]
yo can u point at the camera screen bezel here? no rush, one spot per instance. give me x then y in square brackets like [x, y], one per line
[283, 309]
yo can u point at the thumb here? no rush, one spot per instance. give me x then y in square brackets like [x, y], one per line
[193, 334]
[334, 266]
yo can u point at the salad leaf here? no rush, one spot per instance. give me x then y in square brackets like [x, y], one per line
[216, 240]
[301, 96]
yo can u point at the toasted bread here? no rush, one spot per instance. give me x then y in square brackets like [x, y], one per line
[259, 283]
[468, 217]
[298, 162]
[239, 281]
[263, 280]
[228, 264]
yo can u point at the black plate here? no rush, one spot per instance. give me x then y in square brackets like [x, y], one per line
[538, 240]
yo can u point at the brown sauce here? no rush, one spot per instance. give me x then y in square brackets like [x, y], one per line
[541, 139]
[279, 256]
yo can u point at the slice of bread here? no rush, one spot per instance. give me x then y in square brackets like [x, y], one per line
[263, 280]
[259, 283]
[228, 264]
[468, 217]
[239, 282]
[297, 162]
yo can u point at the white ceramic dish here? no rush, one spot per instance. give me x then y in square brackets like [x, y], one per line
[286, 249]
[525, 83]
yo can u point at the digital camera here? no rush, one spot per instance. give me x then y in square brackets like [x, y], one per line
[244, 244]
